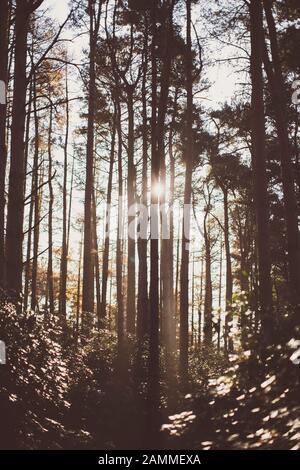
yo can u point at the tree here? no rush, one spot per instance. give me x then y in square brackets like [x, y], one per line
[278, 93]
[184, 273]
[15, 209]
[259, 166]
[94, 12]
[4, 32]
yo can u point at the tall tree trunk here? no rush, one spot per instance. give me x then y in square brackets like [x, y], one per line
[185, 252]
[142, 304]
[259, 164]
[173, 299]
[165, 260]
[30, 215]
[15, 209]
[220, 291]
[278, 93]
[119, 254]
[4, 32]
[200, 301]
[50, 285]
[105, 260]
[35, 196]
[228, 292]
[78, 302]
[64, 243]
[207, 329]
[131, 308]
[96, 260]
[88, 268]
[153, 392]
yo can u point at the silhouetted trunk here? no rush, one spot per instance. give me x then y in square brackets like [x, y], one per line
[228, 292]
[207, 329]
[15, 209]
[35, 197]
[105, 260]
[64, 243]
[131, 309]
[220, 292]
[119, 254]
[3, 150]
[27, 270]
[96, 260]
[200, 302]
[259, 165]
[193, 300]
[50, 285]
[278, 94]
[88, 268]
[185, 251]
[173, 299]
[78, 301]
[153, 392]
[165, 260]
[142, 303]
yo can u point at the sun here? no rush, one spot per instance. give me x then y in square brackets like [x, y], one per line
[158, 190]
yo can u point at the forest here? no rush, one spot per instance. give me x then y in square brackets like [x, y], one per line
[149, 224]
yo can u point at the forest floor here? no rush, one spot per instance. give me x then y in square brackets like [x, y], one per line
[54, 395]
[219, 412]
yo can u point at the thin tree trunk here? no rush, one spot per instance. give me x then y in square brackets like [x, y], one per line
[185, 252]
[50, 285]
[96, 260]
[207, 330]
[30, 216]
[165, 259]
[78, 304]
[64, 247]
[131, 308]
[259, 164]
[220, 291]
[153, 391]
[200, 302]
[119, 254]
[35, 196]
[4, 33]
[88, 268]
[15, 209]
[142, 304]
[105, 260]
[228, 292]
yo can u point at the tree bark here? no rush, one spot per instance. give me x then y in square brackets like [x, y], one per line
[207, 329]
[64, 242]
[165, 260]
[15, 209]
[88, 268]
[35, 197]
[105, 260]
[131, 203]
[153, 391]
[185, 252]
[228, 292]
[119, 254]
[278, 92]
[259, 166]
[50, 285]
[142, 304]
[4, 32]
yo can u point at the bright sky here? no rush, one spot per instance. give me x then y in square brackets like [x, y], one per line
[221, 76]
